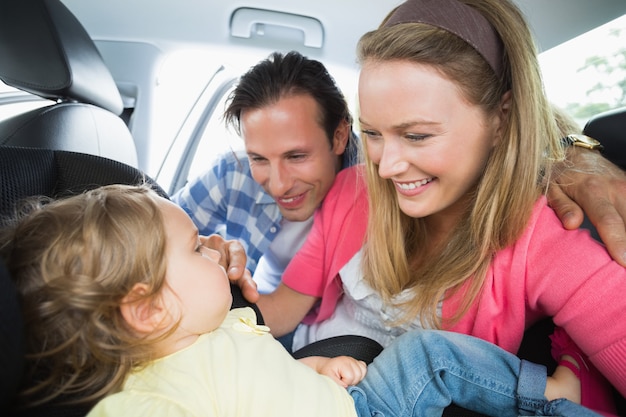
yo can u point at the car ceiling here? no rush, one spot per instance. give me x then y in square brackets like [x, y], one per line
[207, 22]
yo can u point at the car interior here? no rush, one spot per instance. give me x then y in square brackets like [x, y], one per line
[81, 140]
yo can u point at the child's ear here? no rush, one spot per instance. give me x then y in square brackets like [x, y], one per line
[143, 314]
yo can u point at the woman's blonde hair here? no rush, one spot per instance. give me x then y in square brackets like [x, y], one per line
[510, 185]
[74, 260]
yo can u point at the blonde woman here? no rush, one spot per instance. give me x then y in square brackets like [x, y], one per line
[456, 232]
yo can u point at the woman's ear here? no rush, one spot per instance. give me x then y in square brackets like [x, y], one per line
[144, 314]
[505, 103]
[502, 115]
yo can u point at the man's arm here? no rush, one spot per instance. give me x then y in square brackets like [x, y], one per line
[589, 182]
[284, 309]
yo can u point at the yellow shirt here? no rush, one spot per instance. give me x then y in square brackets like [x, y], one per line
[236, 370]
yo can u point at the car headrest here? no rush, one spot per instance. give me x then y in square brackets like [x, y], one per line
[26, 172]
[609, 128]
[46, 51]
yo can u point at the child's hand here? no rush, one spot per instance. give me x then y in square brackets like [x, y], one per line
[343, 369]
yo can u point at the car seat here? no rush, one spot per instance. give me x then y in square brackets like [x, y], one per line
[44, 50]
[609, 128]
[26, 172]
[11, 361]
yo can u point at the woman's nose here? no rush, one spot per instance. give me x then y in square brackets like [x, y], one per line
[393, 159]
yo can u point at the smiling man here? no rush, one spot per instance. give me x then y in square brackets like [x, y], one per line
[297, 132]
[290, 154]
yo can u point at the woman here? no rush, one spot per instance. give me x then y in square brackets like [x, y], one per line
[458, 134]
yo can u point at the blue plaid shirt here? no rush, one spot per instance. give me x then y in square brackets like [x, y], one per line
[226, 200]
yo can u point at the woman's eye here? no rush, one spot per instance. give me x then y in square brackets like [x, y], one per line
[370, 134]
[415, 138]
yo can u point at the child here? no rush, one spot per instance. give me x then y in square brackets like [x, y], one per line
[125, 306]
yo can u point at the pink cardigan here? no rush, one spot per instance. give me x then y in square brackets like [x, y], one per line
[540, 275]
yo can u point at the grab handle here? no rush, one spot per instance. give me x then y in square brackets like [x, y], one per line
[245, 21]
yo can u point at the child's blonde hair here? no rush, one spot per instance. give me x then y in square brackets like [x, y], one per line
[510, 185]
[74, 260]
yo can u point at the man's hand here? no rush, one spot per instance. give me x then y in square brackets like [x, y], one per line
[344, 370]
[233, 259]
[589, 182]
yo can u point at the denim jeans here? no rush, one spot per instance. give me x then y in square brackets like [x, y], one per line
[422, 372]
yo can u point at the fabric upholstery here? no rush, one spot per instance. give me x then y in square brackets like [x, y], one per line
[610, 129]
[26, 172]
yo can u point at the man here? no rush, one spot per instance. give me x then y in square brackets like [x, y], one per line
[296, 127]
[297, 130]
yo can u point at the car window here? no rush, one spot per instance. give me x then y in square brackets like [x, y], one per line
[587, 75]
[14, 101]
[215, 140]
